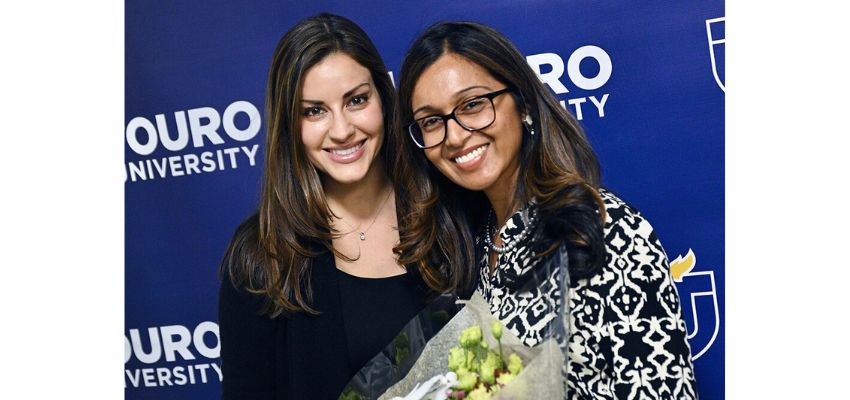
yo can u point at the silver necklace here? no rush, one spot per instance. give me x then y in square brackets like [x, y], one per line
[528, 225]
[375, 218]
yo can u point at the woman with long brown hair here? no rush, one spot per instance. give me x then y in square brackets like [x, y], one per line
[506, 196]
[311, 289]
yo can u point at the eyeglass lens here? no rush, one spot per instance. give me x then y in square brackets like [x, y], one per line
[474, 114]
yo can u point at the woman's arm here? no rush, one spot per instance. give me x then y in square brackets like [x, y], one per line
[248, 337]
[247, 345]
[647, 335]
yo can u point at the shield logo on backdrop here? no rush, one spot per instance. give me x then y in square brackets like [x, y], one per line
[716, 30]
[698, 294]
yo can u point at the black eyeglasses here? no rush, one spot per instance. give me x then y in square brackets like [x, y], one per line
[473, 114]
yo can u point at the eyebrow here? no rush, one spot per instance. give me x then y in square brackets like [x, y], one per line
[344, 95]
[456, 95]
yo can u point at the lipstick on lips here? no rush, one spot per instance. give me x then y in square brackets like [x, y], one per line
[470, 158]
[347, 155]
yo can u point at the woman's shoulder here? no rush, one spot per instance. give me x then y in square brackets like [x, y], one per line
[623, 217]
[248, 227]
[243, 252]
[631, 243]
[615, 207]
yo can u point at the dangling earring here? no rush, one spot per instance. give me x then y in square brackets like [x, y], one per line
[529, 123]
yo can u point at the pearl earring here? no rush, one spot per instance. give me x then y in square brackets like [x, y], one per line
[530, 123]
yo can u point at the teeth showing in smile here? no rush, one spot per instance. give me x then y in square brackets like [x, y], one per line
[348, 151]
[471, 155]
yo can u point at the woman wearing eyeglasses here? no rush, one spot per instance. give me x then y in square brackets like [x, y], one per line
[506, 194]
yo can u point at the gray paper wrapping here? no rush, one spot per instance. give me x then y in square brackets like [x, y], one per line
[398, 356]
[540, 378]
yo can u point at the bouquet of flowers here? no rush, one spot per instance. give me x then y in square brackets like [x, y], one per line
[478, 369]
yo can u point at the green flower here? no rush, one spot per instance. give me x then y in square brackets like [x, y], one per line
[489, 367]
[505, 378]
[488, 375]
[479, 394]
[471, 363]
[457, 358]
[466, 379]
[514, 364]
[497, 359]
[402, 348]
[350, 394]
[497, 330]
[470, 337]
[440, 316]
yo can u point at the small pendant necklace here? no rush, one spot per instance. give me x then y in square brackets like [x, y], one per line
[375, 218]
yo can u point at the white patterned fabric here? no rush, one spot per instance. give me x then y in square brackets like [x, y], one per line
[627, 337]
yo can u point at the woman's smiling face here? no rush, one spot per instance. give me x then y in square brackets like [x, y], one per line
[485, 159]
[342, 119]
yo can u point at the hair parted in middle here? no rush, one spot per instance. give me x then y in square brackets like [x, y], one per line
[272, 252]
[557, 165]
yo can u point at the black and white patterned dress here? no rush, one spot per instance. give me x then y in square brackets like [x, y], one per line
[627, 337]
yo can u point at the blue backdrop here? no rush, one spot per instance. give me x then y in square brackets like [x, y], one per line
[645, 79]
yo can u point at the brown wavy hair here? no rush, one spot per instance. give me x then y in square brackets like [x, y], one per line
[271, 253]
[557, 166]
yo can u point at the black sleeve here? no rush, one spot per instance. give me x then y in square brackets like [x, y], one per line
[248, 337]
[247, 345]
